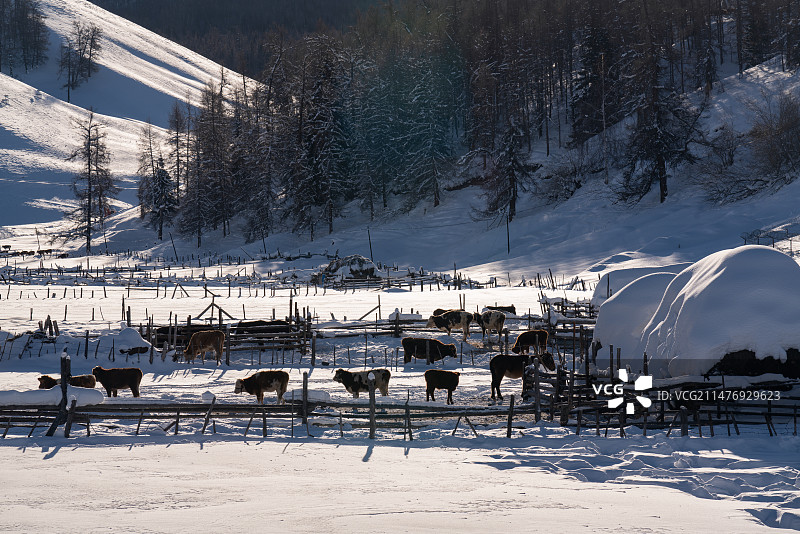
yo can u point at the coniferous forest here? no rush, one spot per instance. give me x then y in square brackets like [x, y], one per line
[386, 105]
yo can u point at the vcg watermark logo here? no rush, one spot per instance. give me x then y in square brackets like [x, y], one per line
[643, 383]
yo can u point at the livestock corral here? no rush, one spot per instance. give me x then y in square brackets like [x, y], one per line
[476, 339]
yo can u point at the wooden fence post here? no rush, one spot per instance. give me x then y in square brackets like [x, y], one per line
[371, 381]
[684, 422]
[228, 346]
[70, 417]
[510, 416]
[62, 406]
[537, 390]
[305, 398]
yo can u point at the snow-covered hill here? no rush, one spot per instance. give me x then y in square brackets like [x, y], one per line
[140, 76]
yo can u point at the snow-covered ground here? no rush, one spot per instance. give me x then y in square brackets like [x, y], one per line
[543, 478]
[451, 484]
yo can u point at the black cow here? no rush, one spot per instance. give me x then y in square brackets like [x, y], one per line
[358, 382]
[421, 347]
[438, 379]
[257, 383]
[513, 366]
[120, 378]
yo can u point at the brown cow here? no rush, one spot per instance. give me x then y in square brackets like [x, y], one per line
[79, 381]
[257, 383]
[119, 378]
[204, 341]
[513, 366]
[530, 338]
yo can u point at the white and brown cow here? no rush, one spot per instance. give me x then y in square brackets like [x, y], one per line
[491, 320]
[203, 341]
[358, 382]
[263, 381]
[451, 320]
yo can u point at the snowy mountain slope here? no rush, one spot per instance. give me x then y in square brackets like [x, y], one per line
[140, 76]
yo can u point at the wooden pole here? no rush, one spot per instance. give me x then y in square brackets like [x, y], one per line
[70, 417]
[371, 382]
[537, 390]
[510, 416]
[305, 398]
[62, 406]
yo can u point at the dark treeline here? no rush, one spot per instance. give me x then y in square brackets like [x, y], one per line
[23, 35]
[233, 32]
[418, 97]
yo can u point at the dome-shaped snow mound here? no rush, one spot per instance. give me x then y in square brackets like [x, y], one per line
[747, 298]
[622, 318]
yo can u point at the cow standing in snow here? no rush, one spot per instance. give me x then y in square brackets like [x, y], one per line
[358, 382]
[451, 320]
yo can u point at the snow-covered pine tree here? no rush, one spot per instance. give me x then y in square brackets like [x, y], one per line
[194, 204]
[156, 192]
[318, 172]
[425, 129]
[665, 122]
[271, 143]
[510, 174]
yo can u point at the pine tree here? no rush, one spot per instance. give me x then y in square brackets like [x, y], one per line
[426, 134]
[213, 141]
[23, 35]
[509, 176]
[178, 142]
[665, 125]
[93, 185]
[156, 191]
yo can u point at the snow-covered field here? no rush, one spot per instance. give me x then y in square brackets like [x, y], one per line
[542, 479]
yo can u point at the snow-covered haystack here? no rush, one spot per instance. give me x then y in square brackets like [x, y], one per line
[355, 266]
[126, 339]
[622, 318]
[742, 299]
[395, 315]
[613, 281]
[83, 396]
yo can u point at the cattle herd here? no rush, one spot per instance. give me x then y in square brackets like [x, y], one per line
[490, 320]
